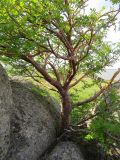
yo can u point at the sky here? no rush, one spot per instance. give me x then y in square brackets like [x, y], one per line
[113, 35]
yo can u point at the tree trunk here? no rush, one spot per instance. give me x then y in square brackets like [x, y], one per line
[66, 110]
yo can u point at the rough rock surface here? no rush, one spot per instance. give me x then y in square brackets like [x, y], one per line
[5, 112]
[29, 121]
[33, 124]
[65, 151]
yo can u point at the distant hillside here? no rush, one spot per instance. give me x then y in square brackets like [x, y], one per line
[108, 73]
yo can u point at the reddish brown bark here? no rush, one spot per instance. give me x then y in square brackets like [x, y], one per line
[66, 110]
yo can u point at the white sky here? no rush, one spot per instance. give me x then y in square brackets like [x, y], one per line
[113, 36]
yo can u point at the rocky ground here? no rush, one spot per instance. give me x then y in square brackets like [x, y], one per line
[30, 124]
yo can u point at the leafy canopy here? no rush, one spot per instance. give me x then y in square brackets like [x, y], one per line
[63, 42]
[52, 30]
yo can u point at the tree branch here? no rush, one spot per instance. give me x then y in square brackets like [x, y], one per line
[56, 54]
[47, 77]
[96, 95]
[83, 76]
[55, 71]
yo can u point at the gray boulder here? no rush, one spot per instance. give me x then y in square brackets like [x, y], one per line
[34, 123]
[5, 113]
[65, 151]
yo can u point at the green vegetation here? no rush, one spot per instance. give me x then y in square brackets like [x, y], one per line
[61, 46]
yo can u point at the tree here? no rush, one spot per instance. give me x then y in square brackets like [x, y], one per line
[115, 1]
[58, 37]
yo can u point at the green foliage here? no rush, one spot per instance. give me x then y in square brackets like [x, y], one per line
[115, 1]
[78, 114]
[50, 32]
[106, 126]
[25, 25]
[83, 90]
